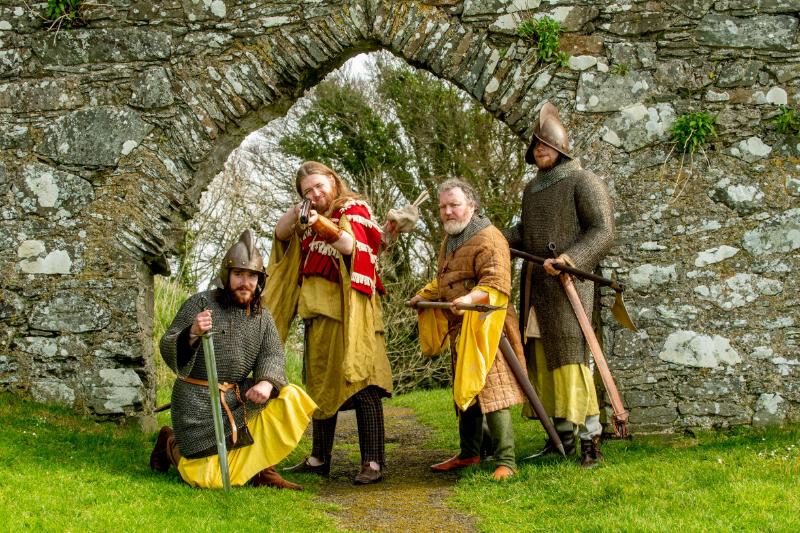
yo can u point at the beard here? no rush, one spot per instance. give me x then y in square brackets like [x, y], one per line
[242, 296]
[548, 164]
[324, 205]
[454, 227]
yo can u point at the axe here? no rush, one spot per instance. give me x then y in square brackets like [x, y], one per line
[620, 417]
[618, 309]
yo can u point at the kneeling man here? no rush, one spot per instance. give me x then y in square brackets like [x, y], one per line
[264, 416]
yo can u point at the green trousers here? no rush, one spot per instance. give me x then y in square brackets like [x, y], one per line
[470, 431]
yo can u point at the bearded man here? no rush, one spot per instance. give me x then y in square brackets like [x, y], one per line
[474, 267]
[570, 207]
[260, 431]
[324, 269]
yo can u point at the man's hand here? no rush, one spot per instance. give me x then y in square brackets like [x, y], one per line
[259, 393]
[200, 325]
[550, 269]
[415, 300]
[474, 297]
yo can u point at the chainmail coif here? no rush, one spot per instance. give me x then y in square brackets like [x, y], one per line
[476, 223]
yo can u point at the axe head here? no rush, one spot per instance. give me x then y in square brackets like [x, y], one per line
[620, 313]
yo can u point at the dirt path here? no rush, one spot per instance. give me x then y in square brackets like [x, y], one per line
[410, 497]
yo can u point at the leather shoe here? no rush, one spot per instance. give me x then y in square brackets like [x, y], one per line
[367, 475]
[269, 477]
[567, 441]
[304, 467]
[454, 463]
[159, 458]
[502, 473]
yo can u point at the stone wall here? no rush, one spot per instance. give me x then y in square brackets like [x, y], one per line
[109, 133]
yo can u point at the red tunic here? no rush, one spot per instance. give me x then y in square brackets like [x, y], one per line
[319, 258]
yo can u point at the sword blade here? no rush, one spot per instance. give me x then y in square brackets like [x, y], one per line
[216, 409]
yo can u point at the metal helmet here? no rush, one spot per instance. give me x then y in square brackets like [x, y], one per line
[550, 131]
[244, 255]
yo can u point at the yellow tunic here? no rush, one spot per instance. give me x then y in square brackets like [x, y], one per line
[276, 430]
[477, 345]
[566, 392]
[345, 342]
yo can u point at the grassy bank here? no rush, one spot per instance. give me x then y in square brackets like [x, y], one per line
[742, 479]
[62, 472]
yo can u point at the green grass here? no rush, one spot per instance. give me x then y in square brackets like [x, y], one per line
[743, 479]
[62, 472]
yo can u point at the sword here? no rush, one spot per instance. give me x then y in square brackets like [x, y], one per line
[530, 392]
[484, 309]
[216, 408]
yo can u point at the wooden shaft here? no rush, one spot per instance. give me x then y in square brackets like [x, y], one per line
[326, 229]
[594, 346]
[464, 307]
[600, 280]
[521, 376]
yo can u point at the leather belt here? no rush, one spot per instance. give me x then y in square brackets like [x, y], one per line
[223, 388]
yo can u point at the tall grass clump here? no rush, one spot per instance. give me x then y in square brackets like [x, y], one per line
[168, 297]
[787, 122]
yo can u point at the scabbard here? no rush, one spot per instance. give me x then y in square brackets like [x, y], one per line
[522, 378]
[216, 408]
[620, 414]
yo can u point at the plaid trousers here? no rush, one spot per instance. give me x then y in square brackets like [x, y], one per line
[371, 435]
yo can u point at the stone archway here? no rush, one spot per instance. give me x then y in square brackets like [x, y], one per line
[110, 132]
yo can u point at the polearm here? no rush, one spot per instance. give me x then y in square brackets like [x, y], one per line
[525, 384]
[618, 309]
[620, 414]
[216, 408]
[513, 363]
[600, 280]
[620, 417]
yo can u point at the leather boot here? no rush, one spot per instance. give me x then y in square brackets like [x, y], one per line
[165, 452]
[455, 463]
[590, 452]
[269, 477]
[567, 440]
